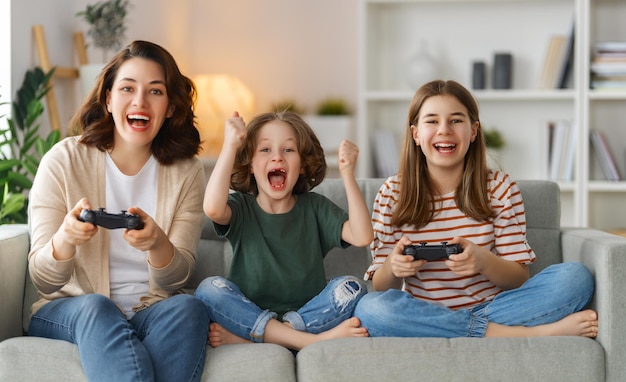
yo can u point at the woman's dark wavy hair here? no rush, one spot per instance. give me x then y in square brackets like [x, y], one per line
[177, 139]
[311, 153]
[415, 203]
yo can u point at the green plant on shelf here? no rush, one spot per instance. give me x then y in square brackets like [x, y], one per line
[333, 106]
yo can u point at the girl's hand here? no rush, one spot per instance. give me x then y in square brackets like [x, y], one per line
[149, 237]
[348, 153]
[470, 261]
[403, 265]
[234, 131]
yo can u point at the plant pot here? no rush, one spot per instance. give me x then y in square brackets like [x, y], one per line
[87, 75]
[330, 130]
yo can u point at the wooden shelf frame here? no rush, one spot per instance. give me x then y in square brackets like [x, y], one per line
[60, 71]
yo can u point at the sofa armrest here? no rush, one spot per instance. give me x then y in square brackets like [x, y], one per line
[605, 255]
[14, 246]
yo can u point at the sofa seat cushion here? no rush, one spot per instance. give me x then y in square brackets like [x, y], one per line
[39, 359]
[249, 362]
[43, 359]
[439, 359]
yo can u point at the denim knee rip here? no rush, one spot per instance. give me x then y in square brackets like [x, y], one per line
[346, 292]
[221, 283]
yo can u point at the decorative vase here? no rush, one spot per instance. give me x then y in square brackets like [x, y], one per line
[330, 130]
[422, 67]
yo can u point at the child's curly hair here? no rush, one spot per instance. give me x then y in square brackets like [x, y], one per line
[311, 152]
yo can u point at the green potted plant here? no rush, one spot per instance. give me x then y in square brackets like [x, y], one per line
[21, 146]
[331, 122]
[107, 27]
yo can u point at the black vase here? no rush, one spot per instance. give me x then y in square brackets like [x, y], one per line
[502, 71]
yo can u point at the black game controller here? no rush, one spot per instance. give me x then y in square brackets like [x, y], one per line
[111, 221]
[432, 252]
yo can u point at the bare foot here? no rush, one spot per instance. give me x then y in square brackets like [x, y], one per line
[219, 336]
[281, 334]
[583, 324]
[348, 328]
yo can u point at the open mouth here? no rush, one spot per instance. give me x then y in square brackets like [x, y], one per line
[277, 178]
[138, 120]
[445, 147]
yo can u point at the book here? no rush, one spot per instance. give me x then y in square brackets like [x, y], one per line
[558, 149]
[609, 47]
[565, 76]
[604, 154]
[554, 57]
[570, 157]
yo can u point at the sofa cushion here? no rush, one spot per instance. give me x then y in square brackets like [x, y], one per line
[43, 359]
[249, 362]
[458, 359]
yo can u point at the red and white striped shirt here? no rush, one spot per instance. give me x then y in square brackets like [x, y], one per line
[504, 235]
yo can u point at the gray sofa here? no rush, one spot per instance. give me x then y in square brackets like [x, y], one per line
[24, 358]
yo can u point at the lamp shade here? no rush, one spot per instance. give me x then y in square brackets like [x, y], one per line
[219, 95]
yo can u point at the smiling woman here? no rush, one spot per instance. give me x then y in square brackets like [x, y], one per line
[137, 153]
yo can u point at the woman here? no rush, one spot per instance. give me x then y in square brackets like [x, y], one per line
[116, 293]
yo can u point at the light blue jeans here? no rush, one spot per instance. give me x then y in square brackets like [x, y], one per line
[557, 291]
[164, 342]
[236, 313]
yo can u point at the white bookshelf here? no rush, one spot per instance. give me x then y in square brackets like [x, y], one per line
[458, 32]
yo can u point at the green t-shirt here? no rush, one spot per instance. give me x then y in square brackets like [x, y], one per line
[278, 259]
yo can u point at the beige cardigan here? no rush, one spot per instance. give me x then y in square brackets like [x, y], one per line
[71, 171]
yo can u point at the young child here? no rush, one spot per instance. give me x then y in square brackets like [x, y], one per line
[116, 293]
[276, 291]
[444, 192]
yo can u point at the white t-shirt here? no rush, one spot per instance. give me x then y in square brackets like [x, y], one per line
[128, 266]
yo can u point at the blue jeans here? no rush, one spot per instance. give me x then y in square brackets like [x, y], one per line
[164, 342]
[554, 293]
[231, 309]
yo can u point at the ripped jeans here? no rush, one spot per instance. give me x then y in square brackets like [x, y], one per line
[231, 309]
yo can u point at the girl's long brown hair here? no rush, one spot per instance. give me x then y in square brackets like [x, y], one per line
[415, 202]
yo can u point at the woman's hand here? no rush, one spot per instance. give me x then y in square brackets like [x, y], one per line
[151, 239]
[72, 232]
[147, 238]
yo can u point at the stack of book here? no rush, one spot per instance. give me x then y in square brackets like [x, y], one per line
[608, 66]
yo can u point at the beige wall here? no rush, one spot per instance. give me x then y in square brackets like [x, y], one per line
[300, 49]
